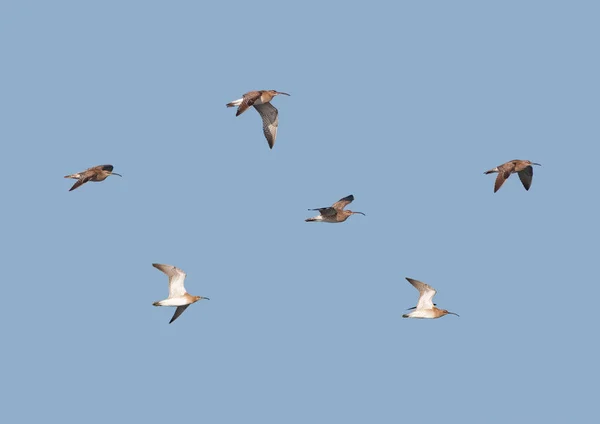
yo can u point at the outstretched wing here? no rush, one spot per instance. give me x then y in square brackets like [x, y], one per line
[84, 179]
[328, 211]
[178, 312]
[342, 203]
[426, 293]
[268, 113]
[247, 100]
[176, 279]
[526, 175]
[502, 176]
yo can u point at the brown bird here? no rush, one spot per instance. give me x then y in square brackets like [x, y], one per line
[177, 295]
[261, 102]
[96, 173]
[522, 167]
[425, 307]
[334, 213]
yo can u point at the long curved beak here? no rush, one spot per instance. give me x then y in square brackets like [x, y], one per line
[205, 298]
[114, 173]
[452, 313]
[538, 164]
[281, 92]
[359, 213]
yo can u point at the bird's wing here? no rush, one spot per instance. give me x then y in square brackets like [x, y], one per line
[247, 100]
[502, 176]
[426, 293]
[328, 211]
[268, 113]
[526, 175]
[176, 279]
[342, 203]
[84, 179]
[178, 312]
[108, 168]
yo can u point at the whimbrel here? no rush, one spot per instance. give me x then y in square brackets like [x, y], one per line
[334, 213]
[425, 307]
[96, 173]
[261, 100]
[522, 167]
[177, 294]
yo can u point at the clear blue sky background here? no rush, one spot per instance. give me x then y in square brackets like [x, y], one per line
[403, 105]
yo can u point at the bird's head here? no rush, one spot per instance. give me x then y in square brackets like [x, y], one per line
[533, 163]
[197, 298]
[108, 169]
[275, 93]
[348, 212]
[446, 312]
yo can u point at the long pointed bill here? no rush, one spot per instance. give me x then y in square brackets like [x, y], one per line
[205, 298]
[452, 313]
[114, 173]
[359, 213]
[280, 92]
[538, 164]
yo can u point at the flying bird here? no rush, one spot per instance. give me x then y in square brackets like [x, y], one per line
[425, 307]
[177, 294]
[261, 100]
[96, 173]
[334, 213]
[522, 167]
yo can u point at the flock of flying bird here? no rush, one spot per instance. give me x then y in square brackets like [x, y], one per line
[261, 100]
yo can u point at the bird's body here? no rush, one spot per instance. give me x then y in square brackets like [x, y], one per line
[334, 213]
[522, 167]
[177, 295]
[261, 100]
[425, 307]
[96, 174]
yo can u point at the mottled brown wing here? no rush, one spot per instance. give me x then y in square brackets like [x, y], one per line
[342, 203]
[247, 100]
[502, 176]
[268, 113]
[526, 175]
[178, 312]
[329, 211]
[84, 179]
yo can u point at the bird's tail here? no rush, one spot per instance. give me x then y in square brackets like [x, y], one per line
[75, 176]
[235, 103]
[405, 316]
[491, 171]
[310, 220]
[156, 303]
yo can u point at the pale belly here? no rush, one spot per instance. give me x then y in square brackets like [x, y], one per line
[175, 301]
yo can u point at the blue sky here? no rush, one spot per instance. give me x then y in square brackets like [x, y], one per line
[404, 105]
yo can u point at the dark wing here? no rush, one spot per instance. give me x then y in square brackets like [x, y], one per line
[342, 203]
[247, 100]
[268, 113]
[502, 176]
[526, 176]
[328, 211]
[84, 179]
[178, 312]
